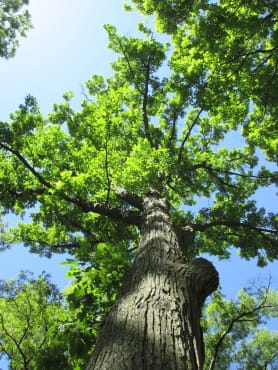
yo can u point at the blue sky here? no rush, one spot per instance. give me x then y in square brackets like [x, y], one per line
[66, 46]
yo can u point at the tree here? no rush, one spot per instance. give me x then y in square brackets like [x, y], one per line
[148, 144]
[30, 313]
[14, 22]
[234, 334]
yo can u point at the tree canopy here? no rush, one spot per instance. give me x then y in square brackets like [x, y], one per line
[140, 129]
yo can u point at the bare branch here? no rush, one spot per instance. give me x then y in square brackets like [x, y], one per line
[83, 92]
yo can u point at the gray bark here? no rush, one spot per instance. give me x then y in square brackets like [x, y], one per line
[155, 323]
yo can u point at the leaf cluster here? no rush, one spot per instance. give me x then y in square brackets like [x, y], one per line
[14, 22]
[29, 310]
[234, 333]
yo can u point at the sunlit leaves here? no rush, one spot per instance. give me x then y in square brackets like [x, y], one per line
[260, 351]
[94, 288]
[144, 167]
[14, 22]
[169, 14]
[227, 51]
[29, 310]
[190, 119]
[233, 336]
[261, 129]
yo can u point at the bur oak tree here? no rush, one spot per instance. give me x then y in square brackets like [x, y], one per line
[162, 163]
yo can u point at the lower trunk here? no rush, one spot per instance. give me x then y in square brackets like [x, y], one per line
[155, 324]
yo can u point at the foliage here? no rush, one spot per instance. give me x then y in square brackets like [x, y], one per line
[30, 311]
[39, 330]
[228, 50]
[234, 334]
[137, 131]
[14, 22]
[91, 294]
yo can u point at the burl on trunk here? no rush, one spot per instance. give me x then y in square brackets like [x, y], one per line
[155, 323]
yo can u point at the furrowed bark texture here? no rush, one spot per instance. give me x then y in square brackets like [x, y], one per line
[155, 324]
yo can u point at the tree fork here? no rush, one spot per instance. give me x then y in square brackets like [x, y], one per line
[155, 323]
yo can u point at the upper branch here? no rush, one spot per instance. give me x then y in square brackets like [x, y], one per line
[126, 58]
[115, 212]
[203, 227]
[189, 133]
[13, 339]
[145, 102]
[204, 166]
[26, 164]
[250, 53]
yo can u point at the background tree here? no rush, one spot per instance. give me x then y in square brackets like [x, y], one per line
[30, 314]
[233, 331]
[147, 145]
[14, 22]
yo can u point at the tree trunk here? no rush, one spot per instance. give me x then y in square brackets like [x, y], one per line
[155, 323]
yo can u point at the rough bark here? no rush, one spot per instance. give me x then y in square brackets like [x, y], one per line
[155, 324]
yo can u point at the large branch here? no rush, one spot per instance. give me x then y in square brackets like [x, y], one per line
[130, 198]
[114, 212]
[263, 232]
